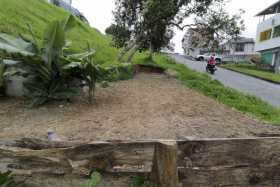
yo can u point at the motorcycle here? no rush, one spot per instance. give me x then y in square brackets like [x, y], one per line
[211, 69]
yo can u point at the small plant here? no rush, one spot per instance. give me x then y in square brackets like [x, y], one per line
[140, 182]
[95, 180]
[89, 71]
[6, 179]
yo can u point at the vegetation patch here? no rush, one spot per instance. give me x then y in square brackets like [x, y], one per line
[16, 17]
[253, 70]
[206, 85]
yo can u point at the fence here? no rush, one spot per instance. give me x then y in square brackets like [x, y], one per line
[189, 163]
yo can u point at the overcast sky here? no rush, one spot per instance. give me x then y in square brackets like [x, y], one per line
[99, 14]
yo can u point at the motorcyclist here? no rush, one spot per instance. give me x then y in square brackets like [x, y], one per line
[211, 63]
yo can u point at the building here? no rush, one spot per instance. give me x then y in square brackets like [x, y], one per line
[268, 36]
[67, 5]
[241, 48]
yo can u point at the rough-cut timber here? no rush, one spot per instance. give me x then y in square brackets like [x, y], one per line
[230, 162]
[216, 162]
[164, 172]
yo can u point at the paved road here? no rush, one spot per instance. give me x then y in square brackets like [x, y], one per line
[267, 91]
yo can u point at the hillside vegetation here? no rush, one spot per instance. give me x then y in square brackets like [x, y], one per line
[15, 15]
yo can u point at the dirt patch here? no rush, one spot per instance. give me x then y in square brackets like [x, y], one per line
[150, 106]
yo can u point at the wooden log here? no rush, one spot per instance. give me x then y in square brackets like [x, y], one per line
[230, 162]
[261, 152]
[221, 162]
[164, 172]
[241, 177]
[82, 159]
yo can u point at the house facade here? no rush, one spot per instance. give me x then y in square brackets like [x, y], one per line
[241, 48]
[268, 36]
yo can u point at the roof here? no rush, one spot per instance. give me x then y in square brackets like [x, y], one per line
[273, 9]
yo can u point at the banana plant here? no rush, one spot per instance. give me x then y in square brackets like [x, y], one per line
[48, 80]
[89, 70]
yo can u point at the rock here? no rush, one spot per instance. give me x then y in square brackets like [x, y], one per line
[52, 136]
[171, 73]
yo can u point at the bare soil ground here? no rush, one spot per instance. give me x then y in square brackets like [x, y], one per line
[150, 106]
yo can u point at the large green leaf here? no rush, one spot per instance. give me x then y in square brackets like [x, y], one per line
[54, 41]
[82, 56]
[72, 65]
[12, 44]
[68, 23]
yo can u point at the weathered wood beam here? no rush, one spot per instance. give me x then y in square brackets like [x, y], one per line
[241, 177]
[240, 161]
[253, 152]
[164, 172]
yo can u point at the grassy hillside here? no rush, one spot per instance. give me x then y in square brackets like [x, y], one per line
[15, 14]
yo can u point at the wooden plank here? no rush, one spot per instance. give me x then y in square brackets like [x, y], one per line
[214, 161]
[230, 162]
[81, 159]
[241, 177]
[164, 173]
[261, 152]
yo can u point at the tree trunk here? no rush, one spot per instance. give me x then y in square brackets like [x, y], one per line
[126, 49]
[132, 53]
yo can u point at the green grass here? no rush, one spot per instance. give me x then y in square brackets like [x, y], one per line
[252, 70]
[16, 14]
[204, 84]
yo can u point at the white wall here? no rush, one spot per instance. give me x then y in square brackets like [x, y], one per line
[249, 49]
[273, 42]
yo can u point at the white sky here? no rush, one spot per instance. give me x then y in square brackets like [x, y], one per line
[99, 14]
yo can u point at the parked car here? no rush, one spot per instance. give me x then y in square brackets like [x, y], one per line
[207, 56]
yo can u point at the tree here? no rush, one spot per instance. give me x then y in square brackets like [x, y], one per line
[216, 27]
[120, 35]
[151, 22]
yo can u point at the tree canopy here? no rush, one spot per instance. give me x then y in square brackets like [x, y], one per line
[149, 24]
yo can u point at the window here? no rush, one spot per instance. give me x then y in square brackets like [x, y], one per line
[276, 32]
[240, 47]
[265, 35]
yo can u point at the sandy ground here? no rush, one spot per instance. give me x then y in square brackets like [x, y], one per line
[148, 107]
